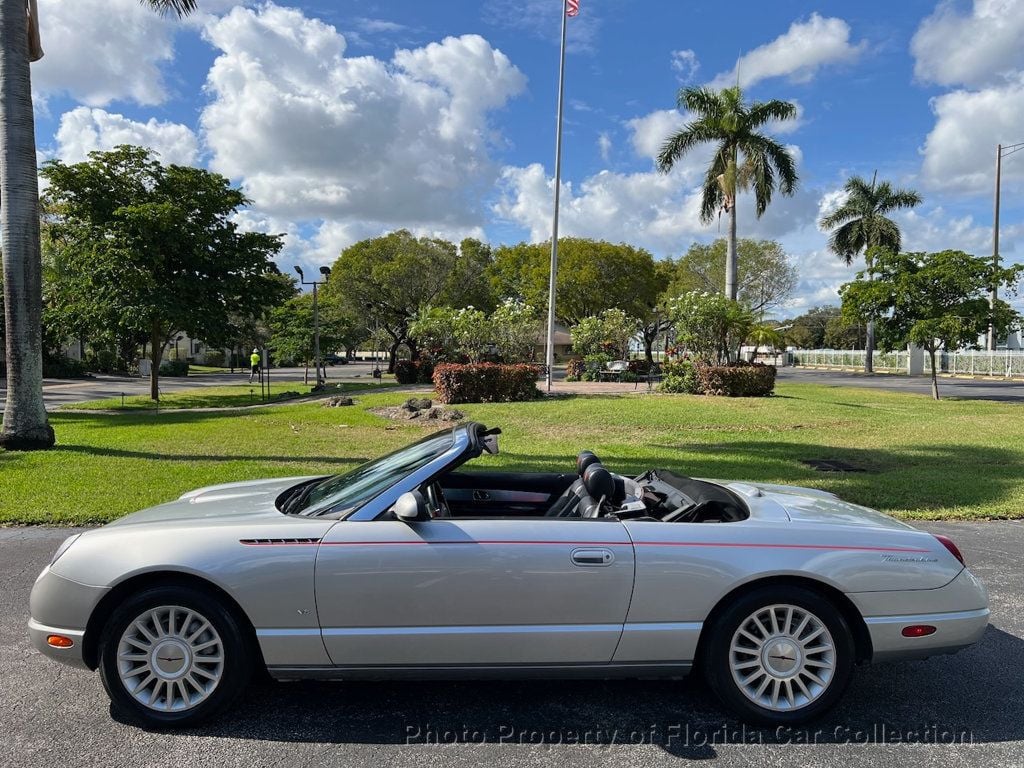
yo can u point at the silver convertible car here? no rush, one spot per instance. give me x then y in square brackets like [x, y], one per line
[410, 566]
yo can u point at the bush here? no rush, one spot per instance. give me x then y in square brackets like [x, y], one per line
[593, 365]
[739, 380]
[100, 360]
[680, 378]
[640, 367]
[63, 368]
[174, 368]
[414, 371]
[486, 383]
[575, 369]
[215, 358]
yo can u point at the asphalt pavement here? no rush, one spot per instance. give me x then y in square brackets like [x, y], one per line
[58, 392]
[949, 386]
[962, 710]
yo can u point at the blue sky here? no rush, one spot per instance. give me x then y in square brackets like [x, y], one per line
[343, 120]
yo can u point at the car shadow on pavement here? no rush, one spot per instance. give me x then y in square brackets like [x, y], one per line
[972, 697]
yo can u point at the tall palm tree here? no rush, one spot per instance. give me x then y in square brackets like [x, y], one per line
[25, 426]
[860, 223]
[744, 158]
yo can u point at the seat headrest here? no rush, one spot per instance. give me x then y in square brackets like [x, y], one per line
[599, 482]
[584, 460]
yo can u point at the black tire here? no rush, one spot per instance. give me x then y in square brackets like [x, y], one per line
[717, 656]
[234, 670]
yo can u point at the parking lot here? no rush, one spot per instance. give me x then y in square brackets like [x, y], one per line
[958, 710]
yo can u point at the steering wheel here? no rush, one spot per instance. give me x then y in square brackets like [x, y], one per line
[435, 501]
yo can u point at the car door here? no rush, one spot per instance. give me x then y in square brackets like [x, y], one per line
[465, 592]
[504, 494]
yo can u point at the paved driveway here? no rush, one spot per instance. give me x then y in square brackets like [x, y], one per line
[58, 392]
[893, 715]
[970, 389]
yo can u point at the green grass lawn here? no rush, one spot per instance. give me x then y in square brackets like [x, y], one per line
[227, 396]
[925, 459]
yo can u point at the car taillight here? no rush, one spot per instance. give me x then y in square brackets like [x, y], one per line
[953, 549]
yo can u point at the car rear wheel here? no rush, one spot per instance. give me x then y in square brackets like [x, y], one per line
[779, 656]
[173, 656]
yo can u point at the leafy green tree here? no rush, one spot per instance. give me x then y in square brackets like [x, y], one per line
[765, 277]
[609, 332]
[469, 283]
[654, 321]
[710, 326]
[389, 280]
[593, 275]
[514, 329]
[745, 157]
[25, 426]
[142, 247]
[861, 223]
[291, 328]
[934, 300]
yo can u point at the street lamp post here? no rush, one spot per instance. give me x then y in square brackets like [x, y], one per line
[326, 272]
[1001, 152]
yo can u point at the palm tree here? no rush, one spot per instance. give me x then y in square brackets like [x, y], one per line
[25, 426]
[860, 223]
[744, 157]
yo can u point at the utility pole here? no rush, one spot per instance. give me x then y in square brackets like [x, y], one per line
[326, 272]
[1001, 152]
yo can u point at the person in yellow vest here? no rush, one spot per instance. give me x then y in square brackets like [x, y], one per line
[254, 365]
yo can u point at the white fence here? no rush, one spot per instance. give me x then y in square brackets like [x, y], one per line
[965, 362]
[886, 362]
[969, 362]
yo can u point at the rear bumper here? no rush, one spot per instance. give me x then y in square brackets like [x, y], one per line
[953, 631]
[958, 611]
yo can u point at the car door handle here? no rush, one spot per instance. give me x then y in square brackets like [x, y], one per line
[481, 496]
[592, 557]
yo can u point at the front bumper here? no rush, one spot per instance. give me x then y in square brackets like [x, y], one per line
[61, 606]
[39, 632]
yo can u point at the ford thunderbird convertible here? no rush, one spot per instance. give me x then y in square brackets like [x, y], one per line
[413, 565]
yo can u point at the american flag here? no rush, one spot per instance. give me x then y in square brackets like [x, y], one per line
[572, 8]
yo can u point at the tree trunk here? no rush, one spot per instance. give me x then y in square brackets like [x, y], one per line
[157, 344]
[935, 377]
[730, 255]
[25, 426]
[649, 349]
[393, 356]
[305, 373]
[869, 342]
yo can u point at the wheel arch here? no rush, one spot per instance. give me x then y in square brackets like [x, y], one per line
[163, 578]
[859, 629]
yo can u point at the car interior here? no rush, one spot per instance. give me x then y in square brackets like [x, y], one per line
[591, 491]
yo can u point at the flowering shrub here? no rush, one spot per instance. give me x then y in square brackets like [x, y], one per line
[486, 382]
[575, 369]
[710, 326]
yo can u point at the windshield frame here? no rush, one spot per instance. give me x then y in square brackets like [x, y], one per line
[464, 446]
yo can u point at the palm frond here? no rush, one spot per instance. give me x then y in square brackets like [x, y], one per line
[677, 145]
[179, 7]
[848, 240]
[701, 101]
[762, 112]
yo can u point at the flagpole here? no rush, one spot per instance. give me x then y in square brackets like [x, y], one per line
[554, 222]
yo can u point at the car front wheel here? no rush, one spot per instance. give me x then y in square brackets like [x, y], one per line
[780, 656]
[173, 656]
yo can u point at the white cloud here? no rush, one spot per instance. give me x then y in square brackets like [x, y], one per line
[314, 134]
[959, 152]
[83, 130]
[604, 145]
[973, 48]
[685, 65]
[652, 130]
[98, 51]
[797, 54]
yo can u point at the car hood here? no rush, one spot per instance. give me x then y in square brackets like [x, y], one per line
[810, 505]
[215, 502]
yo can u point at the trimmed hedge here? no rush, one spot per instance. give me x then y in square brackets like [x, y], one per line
[737, 380]
[486, 382]
[740, 380]
[414, 371]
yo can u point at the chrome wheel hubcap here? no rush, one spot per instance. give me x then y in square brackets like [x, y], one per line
[170, 658]
[782, 657]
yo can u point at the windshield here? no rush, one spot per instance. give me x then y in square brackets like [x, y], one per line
[364, 483]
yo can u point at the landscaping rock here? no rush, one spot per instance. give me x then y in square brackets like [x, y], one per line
[418, 404]
[338, 402]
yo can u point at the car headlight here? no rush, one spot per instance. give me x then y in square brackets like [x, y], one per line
[65, 545]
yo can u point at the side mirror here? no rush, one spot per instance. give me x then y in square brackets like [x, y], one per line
[411, 507]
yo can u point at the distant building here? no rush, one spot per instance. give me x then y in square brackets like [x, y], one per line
[563, 344]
